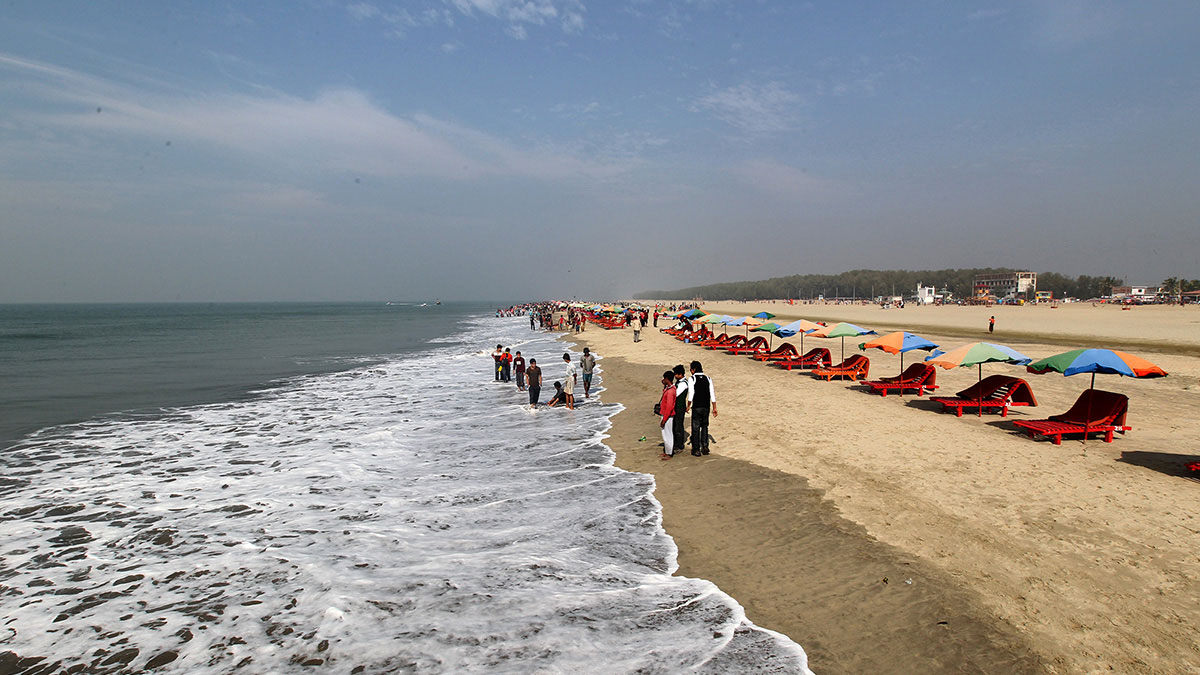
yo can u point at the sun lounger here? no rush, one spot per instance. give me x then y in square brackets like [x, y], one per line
[784, 351]
[1094, 411]
[757, 345]
[994, 392]
[724, 339]
[918, 376]
[818, 357]
[735, 341]
[695, 336]
[855, 367]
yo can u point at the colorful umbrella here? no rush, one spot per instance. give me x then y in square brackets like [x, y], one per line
[768, 328]
[1095, 361]
[977, 354]
[801, 327]
[843, 330]
[898, 343]
[693, 313]
[764, 315]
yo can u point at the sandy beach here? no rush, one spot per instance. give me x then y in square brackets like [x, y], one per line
[885, 535]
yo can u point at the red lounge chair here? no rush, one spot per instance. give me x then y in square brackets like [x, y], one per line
[919, 376]
[723, 340]
[854, 367]
[695, 336]
[992, 392]
[1094, 411]
[817, 357]
[757, 345]
[735, 341]
[785, 351]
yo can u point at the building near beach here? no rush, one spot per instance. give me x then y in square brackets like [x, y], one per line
[1006, 285]
[1136, 293]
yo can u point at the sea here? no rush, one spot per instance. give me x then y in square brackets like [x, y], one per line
[342, 488]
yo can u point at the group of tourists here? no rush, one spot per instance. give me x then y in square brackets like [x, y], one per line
[510, 366]
[682, 395]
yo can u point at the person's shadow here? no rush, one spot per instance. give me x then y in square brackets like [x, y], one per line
[1164, 462]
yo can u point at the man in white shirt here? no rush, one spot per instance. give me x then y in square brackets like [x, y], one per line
[569, 381]
[636, 325]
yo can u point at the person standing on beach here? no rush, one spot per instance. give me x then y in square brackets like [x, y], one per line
[636, 325]
[519, 370]
[587, 363]
[666, 408]
[992, 325]
[568, 385]
[531, 321]
[681, 398]
[496, 356]
[701, 399]
[533, 376]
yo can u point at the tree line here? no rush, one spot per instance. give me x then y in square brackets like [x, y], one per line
[875, 283]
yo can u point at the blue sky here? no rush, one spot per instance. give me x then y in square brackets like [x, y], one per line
[512, 149]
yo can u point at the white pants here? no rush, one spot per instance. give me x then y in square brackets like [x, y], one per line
[668, 433]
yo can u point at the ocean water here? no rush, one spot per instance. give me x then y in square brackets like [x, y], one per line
[386, 511]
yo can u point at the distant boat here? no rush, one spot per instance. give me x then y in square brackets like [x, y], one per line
[424, 304]
[438, 302]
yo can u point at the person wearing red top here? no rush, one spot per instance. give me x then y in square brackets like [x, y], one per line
[666, 408]
[506, 366]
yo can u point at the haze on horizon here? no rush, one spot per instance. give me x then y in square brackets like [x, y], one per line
[492, 149]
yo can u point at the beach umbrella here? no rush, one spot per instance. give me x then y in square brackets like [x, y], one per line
[977, 354]
[764, 315]
[898, 343]
[769, 328]
[799, 327]
[693, 313]
[750, 322]
[1095, 361]
[842, 330]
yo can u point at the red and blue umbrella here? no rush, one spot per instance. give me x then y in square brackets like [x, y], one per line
[1095, 361]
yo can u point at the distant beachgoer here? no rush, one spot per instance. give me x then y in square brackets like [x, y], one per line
[701, 399]
[666, 409]
[518, 364]
[681, 389]
[636, 325]
[569, 378]
[531, 321]
[656, 317]
[497, 355]
[587, 363]
[533, 377]
[560, 396]
[992, 325]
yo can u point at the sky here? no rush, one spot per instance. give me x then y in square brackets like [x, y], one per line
[525, 149]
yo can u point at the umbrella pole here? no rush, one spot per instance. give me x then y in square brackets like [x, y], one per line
[979, 392]
[900, 377]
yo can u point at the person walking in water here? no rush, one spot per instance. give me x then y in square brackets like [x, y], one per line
[701, 399]
[666, 408]
[568, 385]
[496, 356]
[533, 378]
[519, 370]
[587, 364]
[992, 325]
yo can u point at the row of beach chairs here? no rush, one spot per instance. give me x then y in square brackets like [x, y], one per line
[1094, 412]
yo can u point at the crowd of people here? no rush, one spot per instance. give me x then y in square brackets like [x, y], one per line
[511, 366]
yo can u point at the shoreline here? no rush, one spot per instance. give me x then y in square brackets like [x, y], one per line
[1038, 558]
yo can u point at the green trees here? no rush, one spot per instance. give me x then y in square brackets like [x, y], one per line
[874, 283]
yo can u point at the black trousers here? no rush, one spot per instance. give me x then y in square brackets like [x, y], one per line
[699, 429]
[677, 426]
[534, 392]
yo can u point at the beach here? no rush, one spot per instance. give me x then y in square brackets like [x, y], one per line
[885, 535]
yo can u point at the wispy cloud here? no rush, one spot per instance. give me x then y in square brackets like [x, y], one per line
[757, 109]
[1063, 24]
[787, 182]
[338, 130]
[987, 14]
[568, 14]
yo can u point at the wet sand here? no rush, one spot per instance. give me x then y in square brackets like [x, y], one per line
[821, 502]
